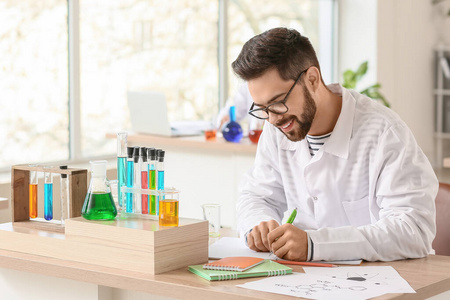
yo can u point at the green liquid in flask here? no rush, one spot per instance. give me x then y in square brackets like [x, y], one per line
[99, 206]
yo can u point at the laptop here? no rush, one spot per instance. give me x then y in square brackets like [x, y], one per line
[148, 114]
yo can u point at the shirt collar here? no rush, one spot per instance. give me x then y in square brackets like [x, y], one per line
[339, 142]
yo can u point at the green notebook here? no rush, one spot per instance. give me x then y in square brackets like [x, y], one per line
[267, 268]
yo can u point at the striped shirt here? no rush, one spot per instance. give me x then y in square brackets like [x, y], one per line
[316, 142]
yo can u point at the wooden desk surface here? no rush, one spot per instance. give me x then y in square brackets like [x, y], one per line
[193, 142]
[428, 276]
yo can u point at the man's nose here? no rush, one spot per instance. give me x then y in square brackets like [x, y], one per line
[274, 118]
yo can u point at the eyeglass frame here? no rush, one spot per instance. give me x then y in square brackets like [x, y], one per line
[267, 110]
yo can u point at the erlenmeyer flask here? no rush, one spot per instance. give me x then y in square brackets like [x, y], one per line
[99, 202]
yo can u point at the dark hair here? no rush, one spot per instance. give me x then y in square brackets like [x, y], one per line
[281, 48]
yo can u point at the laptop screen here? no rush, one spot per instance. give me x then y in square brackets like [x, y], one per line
[148, 112]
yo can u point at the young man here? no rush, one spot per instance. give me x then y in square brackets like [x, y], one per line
[361, 185]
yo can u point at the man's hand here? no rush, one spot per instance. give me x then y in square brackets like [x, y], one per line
[289, 242]
[257, 238]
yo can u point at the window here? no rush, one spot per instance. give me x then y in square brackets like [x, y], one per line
[166, 46]
[176, 47]
[34, 119]
[314, 19]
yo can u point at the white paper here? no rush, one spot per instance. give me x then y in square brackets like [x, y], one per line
[337, 286]
[385, 277]
[229, 246]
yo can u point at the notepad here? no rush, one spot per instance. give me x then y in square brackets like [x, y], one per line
[267, 268]
[239, 264]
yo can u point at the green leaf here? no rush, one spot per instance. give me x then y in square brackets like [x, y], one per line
[365, 92]
[349, 79]
[362, 70]
[376, 86]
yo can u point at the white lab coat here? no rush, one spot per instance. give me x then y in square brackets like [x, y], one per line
[367, 194]
[242, 102]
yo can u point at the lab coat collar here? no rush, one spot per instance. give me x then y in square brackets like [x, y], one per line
[339, 142]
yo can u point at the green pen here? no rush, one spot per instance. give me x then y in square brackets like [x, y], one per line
[290, 220]
[292, 216]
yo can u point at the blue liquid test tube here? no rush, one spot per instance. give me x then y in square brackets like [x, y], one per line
[121, 165]
[48, 195]
[130, 179]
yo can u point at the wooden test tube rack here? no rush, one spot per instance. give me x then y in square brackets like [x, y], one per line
[20, 205]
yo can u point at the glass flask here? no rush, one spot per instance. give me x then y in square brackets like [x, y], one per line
[99, 202]
[232, 131]
[255, 128]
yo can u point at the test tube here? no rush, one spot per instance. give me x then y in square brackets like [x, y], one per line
[144, 179]
[151, 153]
[130, 180]
[121, 165]
[137, 205]
[48, 194]
[160, 169]
[64, 191]
[33, 193]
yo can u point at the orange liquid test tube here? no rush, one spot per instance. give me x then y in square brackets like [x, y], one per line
[33, 192]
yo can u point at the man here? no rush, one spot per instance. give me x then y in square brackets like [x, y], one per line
[361, 185]
[242, 101]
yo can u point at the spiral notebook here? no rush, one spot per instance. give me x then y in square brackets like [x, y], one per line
[267, 268]
[239, 264]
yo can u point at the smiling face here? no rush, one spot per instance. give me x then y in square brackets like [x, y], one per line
[270, 88]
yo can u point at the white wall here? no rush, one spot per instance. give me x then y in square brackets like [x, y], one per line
[397, 38]
[408, 31]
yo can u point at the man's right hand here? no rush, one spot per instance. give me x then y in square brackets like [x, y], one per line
[257, 238]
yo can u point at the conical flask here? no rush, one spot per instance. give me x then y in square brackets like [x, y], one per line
[99, 202]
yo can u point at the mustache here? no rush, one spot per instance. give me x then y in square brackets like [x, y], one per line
[286, 120]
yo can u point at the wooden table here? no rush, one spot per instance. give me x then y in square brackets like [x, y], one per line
[245, 146]
[428, 276]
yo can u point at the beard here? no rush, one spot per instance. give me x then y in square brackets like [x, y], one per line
[301, 128]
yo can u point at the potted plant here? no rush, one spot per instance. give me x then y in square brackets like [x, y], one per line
[351, 78]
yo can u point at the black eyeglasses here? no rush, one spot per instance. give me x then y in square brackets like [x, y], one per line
[277, 108]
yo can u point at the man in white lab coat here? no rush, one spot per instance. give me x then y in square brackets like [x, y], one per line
[361, 185]
[242, 101]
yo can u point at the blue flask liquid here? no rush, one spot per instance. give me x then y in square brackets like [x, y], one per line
[232, 131]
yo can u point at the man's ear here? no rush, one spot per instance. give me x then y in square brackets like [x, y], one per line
[312, 79]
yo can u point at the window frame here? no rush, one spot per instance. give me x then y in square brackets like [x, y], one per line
[74, 86]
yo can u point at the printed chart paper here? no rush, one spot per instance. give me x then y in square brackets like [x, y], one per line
[385, 277]
[353, 283]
